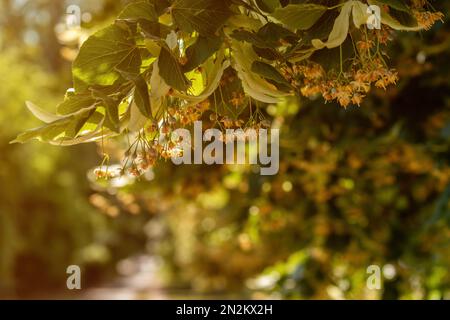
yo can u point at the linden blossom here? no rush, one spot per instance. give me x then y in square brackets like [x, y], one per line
[235, 142]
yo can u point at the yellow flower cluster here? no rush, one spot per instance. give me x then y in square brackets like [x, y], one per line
[346, 88]
[427, 19]
[192, 113]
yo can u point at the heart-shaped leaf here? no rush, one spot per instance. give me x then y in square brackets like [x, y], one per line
[299, 16]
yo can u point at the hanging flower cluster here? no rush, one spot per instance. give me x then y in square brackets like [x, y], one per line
[164, 65]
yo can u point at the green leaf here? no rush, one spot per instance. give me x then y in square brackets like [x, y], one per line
[79, 121]
[404, 18]
[74, 103]
[201, 50]
[100, 54]
[396, 4]
[253, 84]
[321, 28]
[159, 88]
[154, 30]
[330, 59]
[268, 5]
[161, 6]
[360, 14]
[111, 105]
[137, 119]
[299, 16]
[131, 63]
[44, 133]
[267, 53]
[170, 70]
[407, 23]
[203, 16]
[340, 29]
[139, 10]
[269, 72]
[273, 33]
[251, 37]
[141, 97]
[112, 113]
[41, 114]
[213, 71]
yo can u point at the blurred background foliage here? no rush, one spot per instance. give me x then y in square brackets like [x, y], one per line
[46, 220]
[356, 187]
